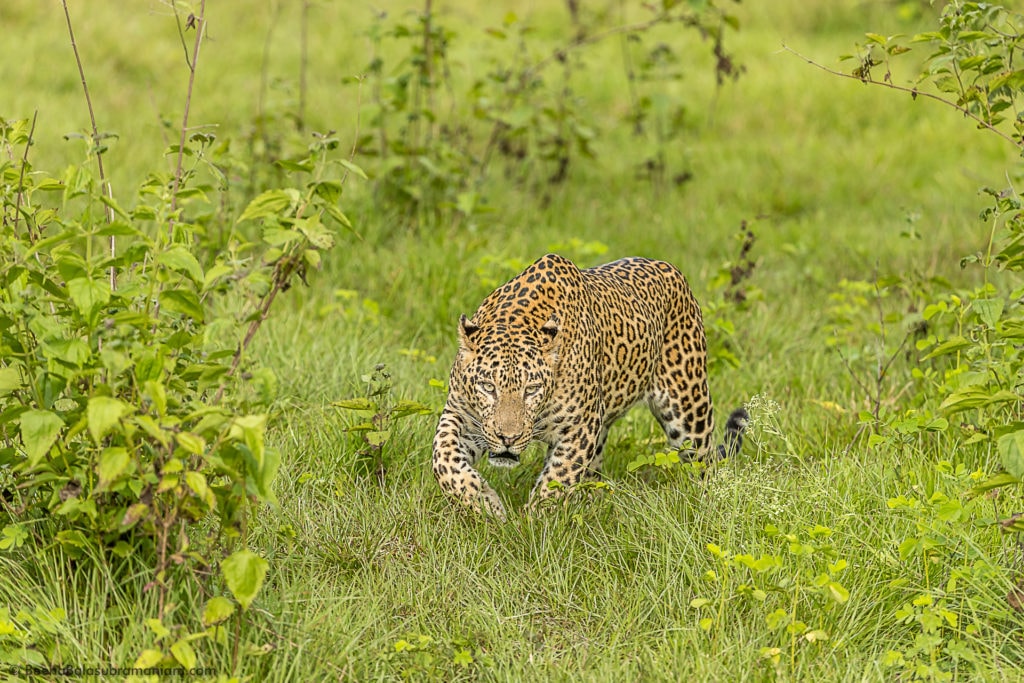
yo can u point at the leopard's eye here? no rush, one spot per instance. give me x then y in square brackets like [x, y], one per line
[533, 389]
[486, 387]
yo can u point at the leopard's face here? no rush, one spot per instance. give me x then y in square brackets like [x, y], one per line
[505, 378]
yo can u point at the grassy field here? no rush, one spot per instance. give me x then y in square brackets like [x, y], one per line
[382, 578]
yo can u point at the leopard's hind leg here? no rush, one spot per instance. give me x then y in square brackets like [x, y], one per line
[679, 396]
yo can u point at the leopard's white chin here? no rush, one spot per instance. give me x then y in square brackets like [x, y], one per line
[505, 459]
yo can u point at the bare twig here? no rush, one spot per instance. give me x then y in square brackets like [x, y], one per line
[355, 138]
[586, 39]
[199, 24]
[104, 184]
[303, 65]
[913, 92]
[21, 181]
[283, 271]
[426, 74]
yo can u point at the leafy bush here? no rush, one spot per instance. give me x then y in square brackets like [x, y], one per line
[436, 139]
[131, 422]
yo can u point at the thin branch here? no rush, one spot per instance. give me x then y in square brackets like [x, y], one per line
[104, 184]
[303, 64]
[21, 181]
[199, 23]
[280, 279]
[355, 138]
[581, 40]
[913, 92]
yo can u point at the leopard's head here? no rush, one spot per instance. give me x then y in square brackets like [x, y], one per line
[504, 375]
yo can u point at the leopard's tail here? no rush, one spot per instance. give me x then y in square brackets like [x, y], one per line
[734, 428]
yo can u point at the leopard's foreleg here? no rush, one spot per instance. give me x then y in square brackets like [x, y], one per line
[454, 455]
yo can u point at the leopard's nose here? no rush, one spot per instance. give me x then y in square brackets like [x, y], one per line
[507, 439]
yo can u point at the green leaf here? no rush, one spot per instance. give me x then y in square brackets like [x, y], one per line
[244, 572]
[271, 203]
[182, 301]
[39, 431]
[354, 168]
[158, 628]
[113, 463]
[149, 659]
[993, 482]
[1011, 453]
[88, 294]
[377, 438]
[14, 536]
[838, 593]
[989, 310]
[951, 345]
[180, 259]
[462, 658]
[217, 610]
[197, 482]
[10, 380]
[264, 477]
[103, 414]
[356, 404]
[184, 654]
[975, 396]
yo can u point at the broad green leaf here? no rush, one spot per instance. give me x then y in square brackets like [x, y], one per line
[1011, 453]
[975, 396]
[377, 438]
[115, 207]
[215, 273]
[838, 593]
[157, 394]
[271, 203]
[14, 536]
[264, 477]
[277, 237]
[158, 628]
[103, 414]
[149, 659]
[179, 258]
[993, 482]
[88, 294]
[10, 380]
[182, 301]
[184, 654]
[217, 610]
[197, 482]
[134, 514]
[113, 463]
[354, 168]
[951, 345]
[356, 404]
[39, 431]
[244, 572]
[989, 310]
[192, 443]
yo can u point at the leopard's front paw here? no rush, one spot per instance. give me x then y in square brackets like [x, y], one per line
[488, 502]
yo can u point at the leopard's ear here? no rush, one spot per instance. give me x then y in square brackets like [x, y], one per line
[550, 330]
[467, 330]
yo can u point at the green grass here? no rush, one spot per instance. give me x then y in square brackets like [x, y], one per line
[825, 170]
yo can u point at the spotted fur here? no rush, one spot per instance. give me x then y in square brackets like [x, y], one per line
[557, 355]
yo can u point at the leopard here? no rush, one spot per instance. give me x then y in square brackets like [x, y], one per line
[558, 354]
